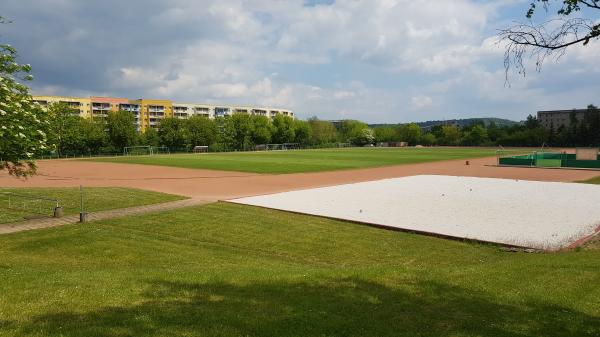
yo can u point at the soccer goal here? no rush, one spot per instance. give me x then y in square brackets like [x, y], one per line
[137, 150]
[145, 150]
[29, 206]
[159, 150]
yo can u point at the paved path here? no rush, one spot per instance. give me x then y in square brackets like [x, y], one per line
[101, 215]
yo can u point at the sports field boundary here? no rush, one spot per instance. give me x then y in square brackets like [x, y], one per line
[32, 224]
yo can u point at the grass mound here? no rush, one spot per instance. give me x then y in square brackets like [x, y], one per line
[95, 199]
[232, 270]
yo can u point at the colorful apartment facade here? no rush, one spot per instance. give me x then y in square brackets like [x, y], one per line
[148, 113]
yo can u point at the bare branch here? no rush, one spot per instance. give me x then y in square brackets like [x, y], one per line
[549, 39]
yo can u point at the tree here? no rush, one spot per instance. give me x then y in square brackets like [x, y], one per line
[352, 131]
[302, 131]
[550, 38]
[283, 129]
[385, 134]
[121, 129]
[150, 137]
[532, 122]
[364, 137]
[93, 135]
[261, 131]
[322, 132]
[23, 124]
[428, 139]
[476, 136]
[243, 126]
[64, 133]
[201, 131]
[173, 133]
[410, 133]
[226, 134]
[450, 135]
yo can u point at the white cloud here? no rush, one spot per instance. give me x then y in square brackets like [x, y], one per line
[420, 102]
[377, 60]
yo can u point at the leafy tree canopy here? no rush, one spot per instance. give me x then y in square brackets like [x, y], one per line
[23, 125]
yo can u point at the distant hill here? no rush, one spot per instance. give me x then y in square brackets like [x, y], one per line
[500, 122]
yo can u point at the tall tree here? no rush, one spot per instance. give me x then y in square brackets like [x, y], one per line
[121, 129]
[201, 131]
[410, 133]
[64, 135]
[385, 134]
[450, 135]
[261, 130]
[350, 130]
[226, 133]
[150, 137]
[283, 129]
[23, 125]
[93, 135]
[173, 133]
[243, 126]
[551, 38]
[322, 132]
[302, 132]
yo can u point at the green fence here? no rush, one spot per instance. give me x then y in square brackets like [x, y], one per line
[517, 161]
[549, 159]
[548, 163]
[581, 163]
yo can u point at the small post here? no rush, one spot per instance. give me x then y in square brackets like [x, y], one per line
[58, 211]
[82, 214]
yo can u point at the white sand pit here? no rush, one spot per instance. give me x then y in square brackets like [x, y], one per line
[541, 215]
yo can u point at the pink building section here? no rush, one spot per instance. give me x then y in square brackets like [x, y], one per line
[111, 100]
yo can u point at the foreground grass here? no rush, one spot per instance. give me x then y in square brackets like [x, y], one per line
[232, 270]
[307, 160]
[95, 199]
[595, 180]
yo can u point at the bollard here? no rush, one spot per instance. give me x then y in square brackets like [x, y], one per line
[467, 163]
[83, 217]
[58, 212]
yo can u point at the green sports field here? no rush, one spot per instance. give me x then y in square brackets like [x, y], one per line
[232, 270]
[307, 160]
[95, 199]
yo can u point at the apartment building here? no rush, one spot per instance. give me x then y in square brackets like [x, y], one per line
[81, 105]
[149, 112]
[559, 118]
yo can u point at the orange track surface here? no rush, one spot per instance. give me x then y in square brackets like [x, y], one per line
[219, 185]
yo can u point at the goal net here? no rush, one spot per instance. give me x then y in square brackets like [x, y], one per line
[145, 150]
[27, 205]
[159, 150]
[137, 150]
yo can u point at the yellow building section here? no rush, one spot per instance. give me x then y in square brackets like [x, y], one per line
[152, 111]
[81, 104]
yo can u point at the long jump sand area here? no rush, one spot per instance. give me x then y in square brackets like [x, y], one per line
[533, 214]
[219, 185]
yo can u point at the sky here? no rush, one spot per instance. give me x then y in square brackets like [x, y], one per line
[379, 61]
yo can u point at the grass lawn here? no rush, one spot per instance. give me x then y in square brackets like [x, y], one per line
[95, 199]
[307, 160]
[595, 180]
[232, 270]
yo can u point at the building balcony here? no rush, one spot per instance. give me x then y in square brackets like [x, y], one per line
[156, 109]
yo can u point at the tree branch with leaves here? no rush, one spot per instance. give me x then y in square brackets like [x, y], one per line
[23, 125]
[551, 38]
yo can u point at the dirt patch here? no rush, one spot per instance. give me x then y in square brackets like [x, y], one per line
[218, 185]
